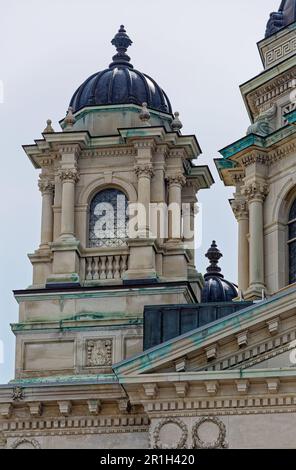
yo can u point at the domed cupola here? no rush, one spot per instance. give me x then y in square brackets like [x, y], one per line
[216, 288]
[282, 18]
[120, 83]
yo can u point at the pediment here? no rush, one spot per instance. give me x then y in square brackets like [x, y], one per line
[245, 339]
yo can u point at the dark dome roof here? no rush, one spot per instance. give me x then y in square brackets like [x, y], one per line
[216, 288]
[282, 18]
[120, 83]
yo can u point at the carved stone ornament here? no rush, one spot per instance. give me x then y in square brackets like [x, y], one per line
[17, 394]
[255, 191]
[25, 443]
[144, 170]
[264, 122]
[181, 426]
[99, 352]
[46, 185]
[178, 180]
[3, 441]
[219, 443]
[240, 209]
[69, 174]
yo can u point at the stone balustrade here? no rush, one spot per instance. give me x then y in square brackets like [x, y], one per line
[105, 267]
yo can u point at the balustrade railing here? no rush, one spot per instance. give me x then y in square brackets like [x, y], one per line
[105, 267]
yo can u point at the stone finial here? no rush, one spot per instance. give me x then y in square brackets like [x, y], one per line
[213, 255]
[69, 120]
[176, 123]
[49, 129]
[121, 41]
[145, 115]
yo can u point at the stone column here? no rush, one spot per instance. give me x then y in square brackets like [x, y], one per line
[68, 176]
[240, 210]
[144, 174]
[256, 193]
[46, 187]
[175, 184]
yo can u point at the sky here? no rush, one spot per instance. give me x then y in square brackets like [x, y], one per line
[198, 51]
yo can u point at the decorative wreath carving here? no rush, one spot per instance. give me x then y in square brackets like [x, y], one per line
[35, 444]
[220, 442]
[181, 444]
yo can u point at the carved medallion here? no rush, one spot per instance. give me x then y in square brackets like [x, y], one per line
[210, 426]
[99, 352]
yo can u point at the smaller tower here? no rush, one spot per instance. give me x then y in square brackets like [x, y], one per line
[217, 289]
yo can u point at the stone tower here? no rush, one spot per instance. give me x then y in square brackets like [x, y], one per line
[261, 165]
[119, 164]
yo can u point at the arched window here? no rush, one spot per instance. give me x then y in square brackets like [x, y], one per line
[292, 243]
[108, 219]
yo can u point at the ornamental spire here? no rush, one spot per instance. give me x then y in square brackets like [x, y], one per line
[121, 41]
[213, 255]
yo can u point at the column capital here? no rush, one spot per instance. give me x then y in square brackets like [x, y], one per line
[240, 208]
[144, 171]
[255, 191]
[46, 185]
[176, 180]
[68, 175]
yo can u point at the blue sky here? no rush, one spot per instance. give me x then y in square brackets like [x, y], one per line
[199, 52]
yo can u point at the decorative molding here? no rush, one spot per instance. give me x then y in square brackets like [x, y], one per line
[105, 152]
[254, 157]
[219, 443]
[124, 405]
[181, 444]
[270, 92]
[280, 51]
[35, 444]
[76, 425]
[99, 352]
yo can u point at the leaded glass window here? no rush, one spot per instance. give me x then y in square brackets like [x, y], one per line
[108, 218]
[292, 243]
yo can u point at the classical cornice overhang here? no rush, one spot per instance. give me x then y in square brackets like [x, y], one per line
[254, 316]
[201, 176]
[266, 81]
[49, 147]
[255, 147]
[161, 136]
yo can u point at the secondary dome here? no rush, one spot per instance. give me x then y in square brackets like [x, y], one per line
[120, 83]
[216, 288]
[282, 18]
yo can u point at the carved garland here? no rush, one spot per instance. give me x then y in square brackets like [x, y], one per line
[181, 444]
[220, 442]
[35, 444]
